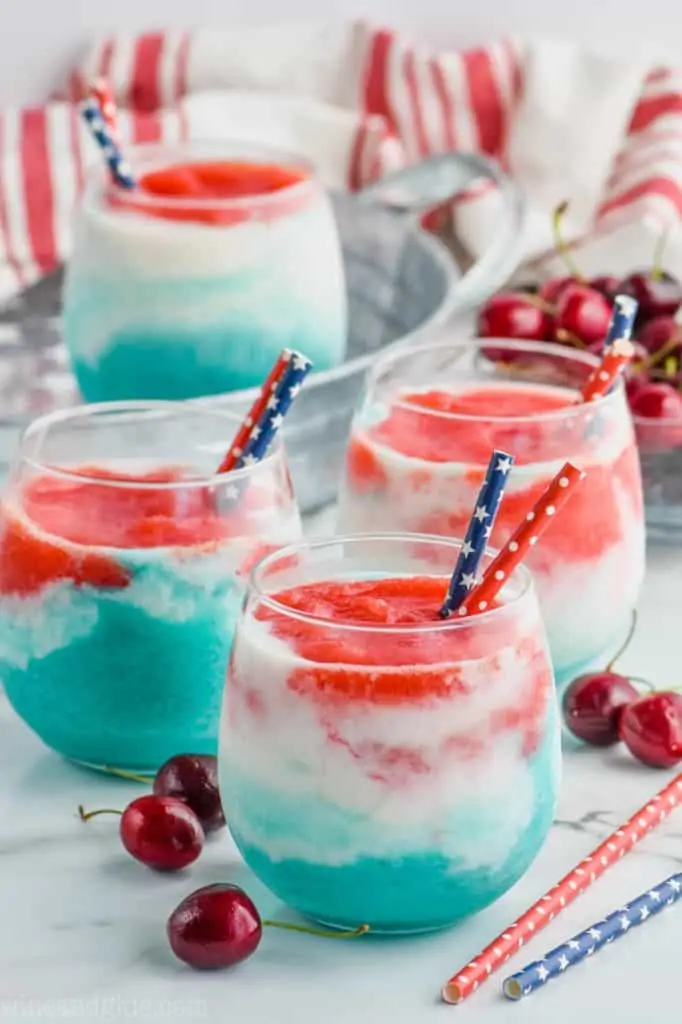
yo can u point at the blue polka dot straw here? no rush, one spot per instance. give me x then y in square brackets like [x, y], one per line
[585, 944]
[118, 165]
[465, 575]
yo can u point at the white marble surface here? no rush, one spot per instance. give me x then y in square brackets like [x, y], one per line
[82, 925]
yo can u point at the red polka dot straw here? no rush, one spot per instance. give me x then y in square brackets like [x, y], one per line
[467, 980]
[100, 91]
[614, 361]
[523, 539]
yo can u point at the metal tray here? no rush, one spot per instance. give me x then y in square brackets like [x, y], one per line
[401, 283]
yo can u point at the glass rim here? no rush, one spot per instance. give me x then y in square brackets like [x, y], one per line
[587, 359]
[242, 150]
[255, 587]
[135, 406]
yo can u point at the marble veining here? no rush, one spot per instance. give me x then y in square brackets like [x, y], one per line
[83, 935]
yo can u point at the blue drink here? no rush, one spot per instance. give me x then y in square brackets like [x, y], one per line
[121, 579]
[377, 764]
[192, 284]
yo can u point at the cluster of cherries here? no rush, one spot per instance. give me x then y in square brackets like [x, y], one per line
[603, 708]
[217, 925]
[575, 311]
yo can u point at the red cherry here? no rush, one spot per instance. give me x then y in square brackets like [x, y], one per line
[216, 926]
[657, 332]
[592, 705]
[658, 294]
[193, 778]
[606, 285]
[658, 402]
[583, 312]
[219, 925]
[651, 728]
[514, 315]
[162, 832]
[552, 289]
[657, 408]
[634, 382]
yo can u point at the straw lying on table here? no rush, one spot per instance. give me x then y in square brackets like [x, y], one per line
[523, 539]
[267, 413]
[120, 172]
[466, 981]
[480, 527]
[587, 942]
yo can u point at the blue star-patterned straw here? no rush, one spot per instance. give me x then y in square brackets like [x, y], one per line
[480, 527]
[558, 960]
[622, 320]
[263, 431]
[118, 165]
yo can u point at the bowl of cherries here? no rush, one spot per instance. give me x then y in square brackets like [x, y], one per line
[575, 311]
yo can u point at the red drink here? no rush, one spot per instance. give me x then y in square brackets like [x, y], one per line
[378, 764]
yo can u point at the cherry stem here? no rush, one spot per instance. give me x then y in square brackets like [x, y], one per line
[86, 815]
[626, 643]
[657, 268]
[121, 773]
[561, 245]
[321, 933]
[663, 352]
[539, 303]
[569, 338]
[643, 682]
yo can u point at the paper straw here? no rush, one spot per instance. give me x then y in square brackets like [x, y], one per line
[465, 575]
[467, 980]
[617, 351]
[586, 943]
[255, 413]
[622, 320]
[523, 539]
[100, 91]
[118, 166]
[613, 362]
[264, 430]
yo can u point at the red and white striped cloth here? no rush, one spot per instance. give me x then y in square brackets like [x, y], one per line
[602, 131]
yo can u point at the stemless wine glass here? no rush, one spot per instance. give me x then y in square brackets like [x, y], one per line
[193, 282]
[123, 561]
[420, 443]
[379, 764]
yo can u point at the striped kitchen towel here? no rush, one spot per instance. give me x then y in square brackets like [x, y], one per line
[602, 130]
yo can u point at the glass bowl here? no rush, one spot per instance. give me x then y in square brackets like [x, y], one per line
[660, 452]
[402, 283]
